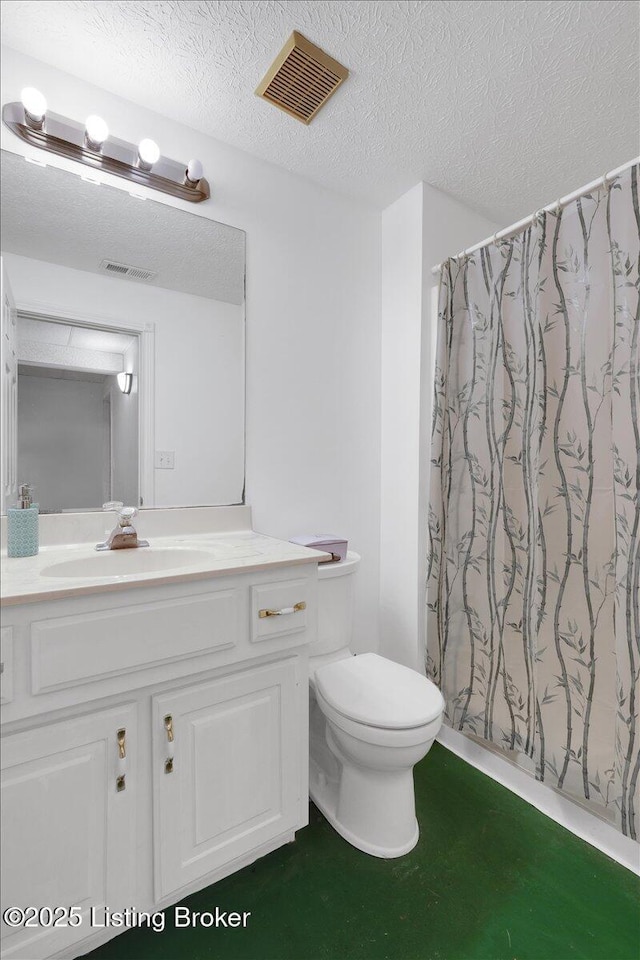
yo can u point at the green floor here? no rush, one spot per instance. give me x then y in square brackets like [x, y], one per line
[490, 878]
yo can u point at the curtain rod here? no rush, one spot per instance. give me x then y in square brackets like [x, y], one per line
[558, 205]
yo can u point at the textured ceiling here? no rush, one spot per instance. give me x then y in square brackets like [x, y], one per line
[49, 214]
[504, 104]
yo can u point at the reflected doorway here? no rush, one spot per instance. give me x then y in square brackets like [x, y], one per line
[78, 430]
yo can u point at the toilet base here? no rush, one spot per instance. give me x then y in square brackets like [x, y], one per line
[325, 794]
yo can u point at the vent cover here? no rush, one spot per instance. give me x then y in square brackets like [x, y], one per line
[301, 79]
[126, 270]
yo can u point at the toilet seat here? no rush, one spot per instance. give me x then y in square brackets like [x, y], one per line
[371, 691]
[379, 736]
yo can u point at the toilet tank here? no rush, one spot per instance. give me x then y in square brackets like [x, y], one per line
[335, 605]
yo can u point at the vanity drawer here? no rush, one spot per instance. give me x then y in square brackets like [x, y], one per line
[278, 609]
[67, 651]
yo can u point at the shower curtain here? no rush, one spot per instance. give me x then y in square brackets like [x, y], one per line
[533, 594]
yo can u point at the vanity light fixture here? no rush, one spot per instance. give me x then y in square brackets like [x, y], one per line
[193, 174]
[96, 132]
[34, 105]
[148, 154]
[125, 382]
[92, 145]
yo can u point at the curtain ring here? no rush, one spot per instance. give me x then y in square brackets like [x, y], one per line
[605, 185]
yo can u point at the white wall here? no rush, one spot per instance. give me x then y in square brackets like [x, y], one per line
[419, 230]
[313, 325]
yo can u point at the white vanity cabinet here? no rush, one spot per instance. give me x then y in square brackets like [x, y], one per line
[208, 703]
[223, 785]
[68, 833]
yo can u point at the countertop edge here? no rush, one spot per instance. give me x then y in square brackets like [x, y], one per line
[14, 600]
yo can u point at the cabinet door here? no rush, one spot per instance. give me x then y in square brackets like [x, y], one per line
[68, 832]
[234, 780]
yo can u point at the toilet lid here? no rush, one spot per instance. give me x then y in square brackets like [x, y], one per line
[378, 692]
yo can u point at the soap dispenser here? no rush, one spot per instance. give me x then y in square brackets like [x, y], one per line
[22, 525]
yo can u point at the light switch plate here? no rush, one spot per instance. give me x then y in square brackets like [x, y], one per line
[165, 459]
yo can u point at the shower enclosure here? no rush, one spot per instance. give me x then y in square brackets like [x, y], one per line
[533, 599]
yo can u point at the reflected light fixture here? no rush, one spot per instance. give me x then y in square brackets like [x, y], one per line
[92, 145]
[35, 107]
[125, 382]
[96, 132]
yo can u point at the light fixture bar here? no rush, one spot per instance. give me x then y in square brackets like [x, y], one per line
[67, 138]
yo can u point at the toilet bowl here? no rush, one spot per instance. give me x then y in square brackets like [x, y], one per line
[371, 721]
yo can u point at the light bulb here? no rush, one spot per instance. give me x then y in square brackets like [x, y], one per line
[96, 131]
[35, 105]
[148, 154]
[194, 171]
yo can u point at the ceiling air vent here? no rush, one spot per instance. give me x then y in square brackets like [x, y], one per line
[126, 270]
[301, 79]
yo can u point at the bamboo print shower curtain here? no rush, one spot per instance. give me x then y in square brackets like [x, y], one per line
[534, 521]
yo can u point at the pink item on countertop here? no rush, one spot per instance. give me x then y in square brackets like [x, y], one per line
[336, 546]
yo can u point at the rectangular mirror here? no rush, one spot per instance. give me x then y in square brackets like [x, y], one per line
[123, 333]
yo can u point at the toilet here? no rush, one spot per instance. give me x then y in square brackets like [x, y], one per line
[371, 720]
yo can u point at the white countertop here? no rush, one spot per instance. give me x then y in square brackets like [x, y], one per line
[25, 580]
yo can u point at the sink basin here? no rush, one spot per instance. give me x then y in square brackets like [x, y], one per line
[123, 563]
[225, 551]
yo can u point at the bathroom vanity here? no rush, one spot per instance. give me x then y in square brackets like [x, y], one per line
[155, 719]
[154, 700]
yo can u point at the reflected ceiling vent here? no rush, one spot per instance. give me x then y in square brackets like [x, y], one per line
[126, 270]
[301, 79]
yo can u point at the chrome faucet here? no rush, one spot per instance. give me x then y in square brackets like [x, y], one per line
[124, 534]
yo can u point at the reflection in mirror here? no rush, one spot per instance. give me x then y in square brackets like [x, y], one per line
[72, 408]
[96, 285]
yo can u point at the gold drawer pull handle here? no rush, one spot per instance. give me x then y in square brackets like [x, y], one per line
[285, 611]
[122, 760]
[168, 725]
